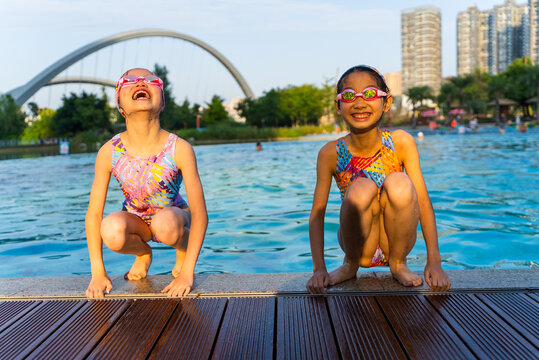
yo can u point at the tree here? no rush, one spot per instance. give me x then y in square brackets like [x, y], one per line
[303, 104]
[533, 79]
[448, 92]
[476, 92]
[519, 87]
[168, 117]
[460, 83]
[215, 112]
[12, 117]
[497, 86]
[416, 96]
[41, 127]
[81, 113]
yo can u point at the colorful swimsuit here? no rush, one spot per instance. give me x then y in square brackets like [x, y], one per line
[148, 183]
[376, 168]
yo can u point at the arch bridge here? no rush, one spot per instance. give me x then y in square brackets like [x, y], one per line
[47, 76]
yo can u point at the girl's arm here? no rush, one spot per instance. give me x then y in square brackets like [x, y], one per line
[185, 157]
[324, 171]
[103, 166]
[406, 149]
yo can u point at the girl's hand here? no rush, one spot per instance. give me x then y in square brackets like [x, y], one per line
[180, 286]
[99, 285]
[436, 277]
[318, 282]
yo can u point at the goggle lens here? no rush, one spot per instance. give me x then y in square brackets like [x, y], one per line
[367, 94]
[132, 79]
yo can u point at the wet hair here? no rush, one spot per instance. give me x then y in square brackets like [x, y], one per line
[117, 94]
[380, 80]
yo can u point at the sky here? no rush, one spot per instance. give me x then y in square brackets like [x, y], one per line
[272, 43]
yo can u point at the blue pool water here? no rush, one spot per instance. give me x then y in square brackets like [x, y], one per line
[484, 188]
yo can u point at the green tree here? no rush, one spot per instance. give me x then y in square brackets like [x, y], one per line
[461, 82]
[519, 88]
[34, 108]
[303, 105]
[81, 113]
[497, 87]
[41, 127]
[416, 96]
[263, 111]
[169, 116]
[448, 92]
[533, 79]
[476, 92]
[12, 117]
[215, 112]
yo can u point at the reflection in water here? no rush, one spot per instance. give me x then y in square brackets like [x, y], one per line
[483, 188]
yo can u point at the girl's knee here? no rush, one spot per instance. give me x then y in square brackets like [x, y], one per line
[113, 232]
[361, 193]
[168, 225]
[399, 189]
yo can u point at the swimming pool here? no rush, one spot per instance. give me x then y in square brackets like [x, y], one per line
[484, 188]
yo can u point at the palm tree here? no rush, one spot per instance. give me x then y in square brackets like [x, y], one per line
[461, 82]
[448, 92]
[416, 96]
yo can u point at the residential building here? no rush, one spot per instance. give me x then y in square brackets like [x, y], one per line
[421, 42]
[472, 40]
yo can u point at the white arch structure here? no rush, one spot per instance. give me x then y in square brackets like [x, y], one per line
[25, 92]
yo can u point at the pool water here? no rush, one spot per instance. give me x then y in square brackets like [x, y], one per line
[484, 189]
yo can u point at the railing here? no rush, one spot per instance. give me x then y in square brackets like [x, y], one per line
[17, 142]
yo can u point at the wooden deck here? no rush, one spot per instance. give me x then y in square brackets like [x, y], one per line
[496, 325]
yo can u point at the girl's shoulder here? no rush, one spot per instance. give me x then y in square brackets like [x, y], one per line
[402, 139]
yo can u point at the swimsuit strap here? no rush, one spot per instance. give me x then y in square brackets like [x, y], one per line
[343, 155]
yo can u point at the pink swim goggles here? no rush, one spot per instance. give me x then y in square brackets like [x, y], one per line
[130, 80]
[367, 94]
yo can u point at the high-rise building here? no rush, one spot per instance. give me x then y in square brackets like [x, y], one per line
[534, 30]
[421, 40]
[472, 40]
[509, 35]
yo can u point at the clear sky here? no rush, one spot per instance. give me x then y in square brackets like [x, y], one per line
[273, 43]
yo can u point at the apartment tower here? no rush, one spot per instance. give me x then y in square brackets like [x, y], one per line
[421, 42]
[472, 40]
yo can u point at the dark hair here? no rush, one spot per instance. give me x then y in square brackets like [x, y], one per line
[380, 81]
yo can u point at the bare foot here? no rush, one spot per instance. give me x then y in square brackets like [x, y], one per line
[180, 255]
[404, 275]
[140, 267]
[347, 270]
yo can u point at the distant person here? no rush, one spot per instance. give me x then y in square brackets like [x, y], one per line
[420, 135]
[517, 119]
[258, 146]
[473, 124]
[433, 125]
[149, 164]
[523, 128]
[501, 130]
[454, 123]
[381, 204]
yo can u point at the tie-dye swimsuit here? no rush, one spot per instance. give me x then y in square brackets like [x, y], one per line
[148, 183]
[376, 168]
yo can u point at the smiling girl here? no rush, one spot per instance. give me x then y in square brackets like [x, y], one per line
[382, 190]
[150, 165]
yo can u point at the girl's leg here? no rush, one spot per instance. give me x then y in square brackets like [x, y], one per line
[170, 226]
[400, 216]
[126, 233]
[359, 228]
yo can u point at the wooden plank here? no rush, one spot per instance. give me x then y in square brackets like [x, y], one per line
[362, 330]
[421, 330]
[517, 309]
[11, 311]
[135, 333]
[304, 330]
[34, 327]
[191, 331]
[247, 329]
[78, 335]
[486, 334]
